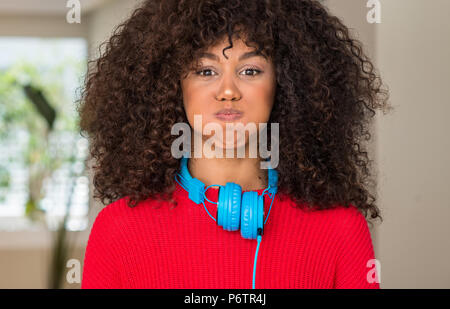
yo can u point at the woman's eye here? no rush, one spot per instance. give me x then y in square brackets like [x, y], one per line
[246, 70]
[252, 70]
[205, 70]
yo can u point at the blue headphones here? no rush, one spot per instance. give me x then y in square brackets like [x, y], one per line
[234, 210]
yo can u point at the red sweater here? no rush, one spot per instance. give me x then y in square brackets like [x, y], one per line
[182, 247]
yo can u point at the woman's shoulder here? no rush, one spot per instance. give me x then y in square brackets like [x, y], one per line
[337, 211]
[121, 213]
[341, 216]
[114, 208]
[348, 221]
[110, 215]
[346, 216]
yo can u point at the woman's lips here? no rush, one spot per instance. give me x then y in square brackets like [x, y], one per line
[227, 115]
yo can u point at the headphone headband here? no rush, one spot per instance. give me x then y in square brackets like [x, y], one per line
[196, 188]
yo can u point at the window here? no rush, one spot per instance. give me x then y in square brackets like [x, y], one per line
[42, 174]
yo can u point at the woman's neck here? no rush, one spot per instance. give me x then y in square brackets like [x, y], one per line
[245, 172]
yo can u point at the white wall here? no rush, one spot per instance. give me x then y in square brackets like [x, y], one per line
[413, 48]
[40, 26]
[102, 22]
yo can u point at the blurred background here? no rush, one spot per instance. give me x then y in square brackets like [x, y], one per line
[46, 205]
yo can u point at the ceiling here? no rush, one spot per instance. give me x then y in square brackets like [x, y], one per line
[45, 7]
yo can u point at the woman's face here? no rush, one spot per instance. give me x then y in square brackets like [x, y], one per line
[244, 82]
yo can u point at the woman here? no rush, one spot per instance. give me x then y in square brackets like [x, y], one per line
[281, 62]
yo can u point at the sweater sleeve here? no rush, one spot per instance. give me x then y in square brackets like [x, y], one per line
[356, 266]
[101, 268]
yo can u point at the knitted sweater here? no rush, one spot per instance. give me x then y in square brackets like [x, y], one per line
[183, 247]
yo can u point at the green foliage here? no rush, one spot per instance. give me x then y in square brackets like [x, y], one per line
[17, 112]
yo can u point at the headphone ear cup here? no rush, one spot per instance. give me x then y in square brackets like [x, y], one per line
[260, 213]
[249, 215]
[229, 207]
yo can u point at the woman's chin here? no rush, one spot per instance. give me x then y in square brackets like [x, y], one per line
[233, 149]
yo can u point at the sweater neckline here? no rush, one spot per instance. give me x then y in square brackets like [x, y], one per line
[212, 193]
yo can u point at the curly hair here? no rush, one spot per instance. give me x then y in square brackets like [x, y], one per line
[326, 95]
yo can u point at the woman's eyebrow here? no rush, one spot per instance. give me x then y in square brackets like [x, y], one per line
[242, 57]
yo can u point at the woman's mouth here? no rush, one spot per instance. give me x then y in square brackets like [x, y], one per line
[229, 114]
